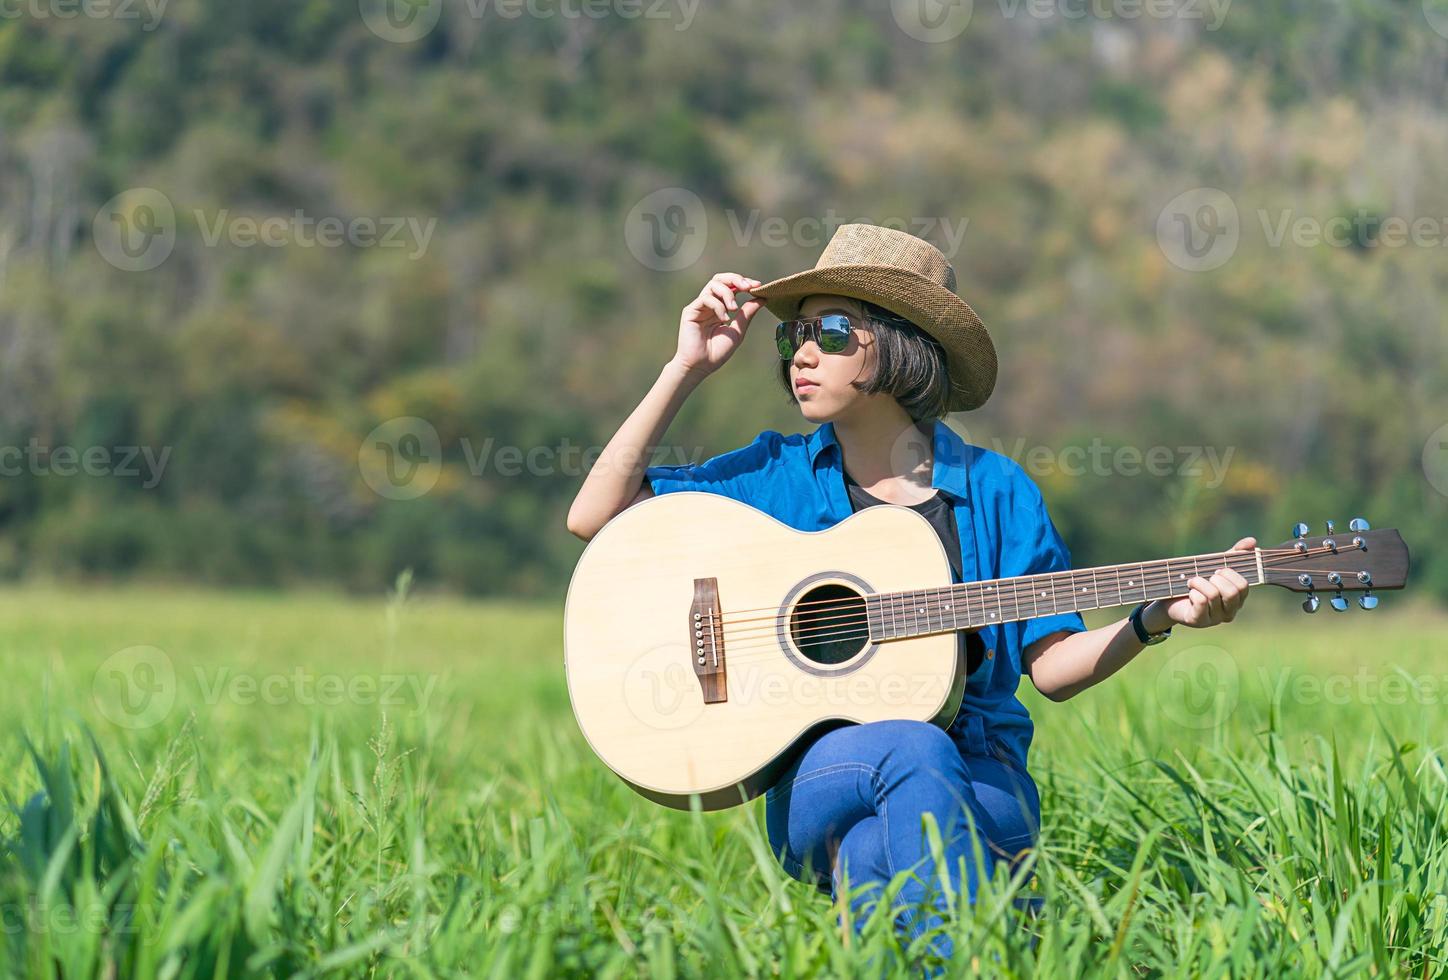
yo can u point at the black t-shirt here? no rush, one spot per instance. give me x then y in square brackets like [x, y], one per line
[941, 515]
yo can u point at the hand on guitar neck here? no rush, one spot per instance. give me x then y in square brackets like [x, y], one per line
[1213, 600]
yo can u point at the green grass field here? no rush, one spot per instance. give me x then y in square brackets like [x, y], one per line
[207, 785]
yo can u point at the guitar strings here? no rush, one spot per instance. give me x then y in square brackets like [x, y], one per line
[859, 628]
[814, 632]
[731, 616]
[1248, 558]
[850, 609]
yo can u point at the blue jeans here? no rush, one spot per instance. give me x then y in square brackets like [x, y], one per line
[858, 792]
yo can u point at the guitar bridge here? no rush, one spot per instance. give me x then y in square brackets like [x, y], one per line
[706, 633]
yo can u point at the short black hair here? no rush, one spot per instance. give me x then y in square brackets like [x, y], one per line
[910, 365]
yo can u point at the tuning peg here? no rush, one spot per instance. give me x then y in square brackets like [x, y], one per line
[1299, 530]
[1368, 601]
[1358, 524]
[1329, 527]
[1311, 603]
[1339, 602]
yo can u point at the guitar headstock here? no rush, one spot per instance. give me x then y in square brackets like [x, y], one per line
[1358, 560]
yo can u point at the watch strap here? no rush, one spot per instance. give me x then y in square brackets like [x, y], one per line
[1140, 627]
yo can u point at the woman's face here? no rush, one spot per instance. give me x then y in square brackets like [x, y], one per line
[831, 374]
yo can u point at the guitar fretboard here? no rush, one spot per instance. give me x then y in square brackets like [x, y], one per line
[971, 605]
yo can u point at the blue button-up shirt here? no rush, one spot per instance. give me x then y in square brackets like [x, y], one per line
[1004, 531]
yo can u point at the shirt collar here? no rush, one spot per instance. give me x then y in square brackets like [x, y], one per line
[950, 452]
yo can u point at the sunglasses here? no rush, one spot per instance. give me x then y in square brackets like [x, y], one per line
[831, 332]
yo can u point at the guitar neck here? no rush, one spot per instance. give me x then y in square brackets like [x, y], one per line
[972, 605]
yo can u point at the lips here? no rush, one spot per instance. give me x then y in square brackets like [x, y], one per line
[801, 384]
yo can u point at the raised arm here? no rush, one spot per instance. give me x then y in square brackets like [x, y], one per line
[711, 328]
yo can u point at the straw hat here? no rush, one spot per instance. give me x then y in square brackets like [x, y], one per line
[908, 276]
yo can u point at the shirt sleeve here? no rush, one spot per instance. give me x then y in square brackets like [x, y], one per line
[1036, 547]
[736, 474]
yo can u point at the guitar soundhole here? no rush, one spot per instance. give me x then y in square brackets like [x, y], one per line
[828, 624]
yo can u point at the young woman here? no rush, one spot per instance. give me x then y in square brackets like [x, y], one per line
[876, 349]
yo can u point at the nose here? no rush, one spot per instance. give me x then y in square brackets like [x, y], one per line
[807, 354]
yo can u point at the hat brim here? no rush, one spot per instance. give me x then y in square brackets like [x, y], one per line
[969, 351]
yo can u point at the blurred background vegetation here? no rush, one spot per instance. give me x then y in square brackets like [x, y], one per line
[528, 320]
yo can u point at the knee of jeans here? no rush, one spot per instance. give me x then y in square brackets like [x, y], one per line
[926, 745]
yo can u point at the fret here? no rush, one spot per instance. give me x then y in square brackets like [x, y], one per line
[1177, 576]
[914, 612]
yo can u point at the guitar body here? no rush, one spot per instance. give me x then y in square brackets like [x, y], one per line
[783, 632]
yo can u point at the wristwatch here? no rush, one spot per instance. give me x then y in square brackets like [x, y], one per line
[1141, 633]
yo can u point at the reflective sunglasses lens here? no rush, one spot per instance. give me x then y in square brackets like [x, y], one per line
[783, 341]
[834, 333]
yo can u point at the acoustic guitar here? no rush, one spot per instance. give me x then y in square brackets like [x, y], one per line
[705, 641]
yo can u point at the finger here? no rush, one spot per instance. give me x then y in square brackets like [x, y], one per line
[1235, 577]
[1246, 544]
[1232, 604]
[1219, 601]
[1199, 612]
[1229, 592]
[708, 301]
[1210, 593]
[723, 292]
